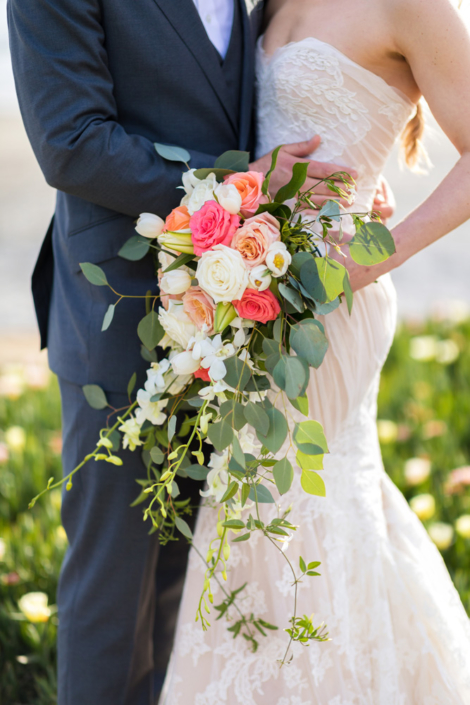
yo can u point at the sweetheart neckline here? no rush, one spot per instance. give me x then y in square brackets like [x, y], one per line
[271, 57]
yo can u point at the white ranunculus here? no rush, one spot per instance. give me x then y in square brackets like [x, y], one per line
[190, 181]
[175, 282]
[34, 607]
[176, 323]
[229, 198]
[278, 259]
[259, 277]
[203, 192]
[156, 383]
[222, 274]
[183, 363]
[150, 225]
[150, 410]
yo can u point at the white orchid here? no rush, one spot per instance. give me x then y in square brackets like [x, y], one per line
[150, 410]
[214, 360]
[131, 431]
[240, 324]
[217, 479]
[215, 390]
[248, 442]
[155, 383]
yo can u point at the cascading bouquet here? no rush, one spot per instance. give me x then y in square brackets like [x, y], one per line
[242, 280]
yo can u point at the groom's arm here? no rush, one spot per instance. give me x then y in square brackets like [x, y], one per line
[65, 91]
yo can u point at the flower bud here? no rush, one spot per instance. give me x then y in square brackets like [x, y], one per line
[180, 242]
[220, 528]
[183, 363]
[175, 282]
[224, 314]
[278, 259]
[229, 198]
[226, 551]
[260, 277]
[149, 225]
[114, 460]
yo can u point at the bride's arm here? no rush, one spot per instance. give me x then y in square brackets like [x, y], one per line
[433, 38]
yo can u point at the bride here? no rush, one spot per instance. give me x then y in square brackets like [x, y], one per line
[352, 71]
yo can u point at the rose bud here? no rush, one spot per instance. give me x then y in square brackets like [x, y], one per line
[175, 282]
[278, 259]
[149, 225]
[229, 198]
[259, 278]
[224, 315]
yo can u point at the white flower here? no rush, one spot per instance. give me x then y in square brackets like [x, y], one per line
[258, 396]
[200, 344]
[217, 479]
[150, 225]
[417, 470]
[447, 351]
[203, 191]
[278, 259]
[155, 380]
[176, 323]
[424, 506]
[165, 259]
[175, 282]
[190, 181]
[462, 526]
[3, 549]
[181, 381]
[222, 274]
[15, 438]
[213, 361]
[229, 198]
[131, 431]
[150, 410]
[34, 607]
[184, 363]
[424, 347]
[260, 277]
[240, 324]
[441, 534]
[387, 430]
[248, 442]
[215, 390]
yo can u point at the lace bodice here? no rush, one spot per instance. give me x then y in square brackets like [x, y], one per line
[310, 87]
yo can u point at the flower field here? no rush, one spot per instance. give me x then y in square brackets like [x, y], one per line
[424, 427]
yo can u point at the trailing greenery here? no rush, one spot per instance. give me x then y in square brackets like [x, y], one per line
[424, 412]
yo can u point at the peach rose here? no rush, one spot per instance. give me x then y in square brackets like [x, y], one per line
[259, 306]
[212, 225]
[255, 237]
[249, 185]
[166, 298]
[178, 219]
[200, 308]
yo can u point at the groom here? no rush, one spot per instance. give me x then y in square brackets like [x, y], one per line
[99, 81]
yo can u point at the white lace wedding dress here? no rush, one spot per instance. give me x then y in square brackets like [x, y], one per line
[399, 633]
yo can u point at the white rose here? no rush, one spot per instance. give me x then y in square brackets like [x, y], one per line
[222, 274]
[183, 363]
[259, 277]
[190, 181]
[203, 191]
[278, 259]
[175, 282]
[229, 198]
[150, 225]
[176, 323]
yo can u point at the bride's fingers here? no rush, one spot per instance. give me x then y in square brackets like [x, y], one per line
[319, 199]
[322, 170]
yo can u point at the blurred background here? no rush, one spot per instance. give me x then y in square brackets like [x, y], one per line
[424, 409]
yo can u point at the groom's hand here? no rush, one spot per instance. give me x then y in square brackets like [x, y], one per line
[300, 151]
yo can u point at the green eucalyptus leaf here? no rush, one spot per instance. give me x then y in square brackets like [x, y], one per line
[135, 248]
[171, 427]
[94, 274]
[292, 296]
[283, 474]
[331, 210]
[301, 404]
[232, 490]
[261, 494]
[312, 483]
[309, 341]
[309, 462]
[131, 384]
[182, 526]
[373, 243]
[237, 453]
[277, 433]
[348, 292]
[157, 455]
[309, 438]
[220, 435]
[150, 330]
[234, 160]
[275, 154]
[290, 375]
[95, 396]
[298, 260]
[232, 412]
[245, 492]
[197, 472]
[323, 277]
[257, 417]
[238, 373]
[108, 317]
[148, 355]
[290, 190]
[220, 174]
[258, 383]
[324, 309]
[172, 153]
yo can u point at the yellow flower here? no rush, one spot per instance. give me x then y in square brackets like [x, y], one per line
[387, 430]
[15, 438]
[462, 526]
[417, 470]
[424, 506]
[441, 534]
[34, 607]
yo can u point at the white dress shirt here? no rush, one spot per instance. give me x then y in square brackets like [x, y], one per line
[217, 18]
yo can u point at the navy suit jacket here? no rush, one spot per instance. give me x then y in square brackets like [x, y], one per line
[99, 81]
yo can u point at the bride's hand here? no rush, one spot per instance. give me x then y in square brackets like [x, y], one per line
[300, 151]
[384, 201]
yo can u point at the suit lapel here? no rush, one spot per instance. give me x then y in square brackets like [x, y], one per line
[184, 17]
[248, 77]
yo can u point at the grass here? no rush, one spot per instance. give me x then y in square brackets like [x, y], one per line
[424, 413]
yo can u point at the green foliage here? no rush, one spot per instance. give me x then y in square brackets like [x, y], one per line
[135, 248]
[95, 396]
[94, 274]
[290, 190]
[309, 341]
[108, 317]
[371, 244]
[235, 160]
[150, 330]
[172, 153]
[323, 277]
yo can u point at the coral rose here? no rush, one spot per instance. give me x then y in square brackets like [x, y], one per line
[212, 225]
[259, 306]
[200, 308]
[178, 219]
[255, 237]
[249, 185]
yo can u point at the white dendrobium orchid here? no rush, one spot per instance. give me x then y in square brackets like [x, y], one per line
[229, 198]
[260, 277]
[150, 410]
[278, 259]
[202, 192]
[216, 390]
[184, 363]
[131, 431]
[214, 361]
[150, 225]
[155, 383]
[217, 479]
[248, 442]
[240, 324]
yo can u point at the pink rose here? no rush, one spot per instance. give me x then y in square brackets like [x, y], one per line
[212, 225]
[255, 236]
[249, 185]
[200, 308]
[165, 298]
[259, 306]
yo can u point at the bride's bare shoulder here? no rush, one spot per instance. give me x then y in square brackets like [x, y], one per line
[421, 19]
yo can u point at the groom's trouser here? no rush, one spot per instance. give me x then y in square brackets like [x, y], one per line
[118, 591]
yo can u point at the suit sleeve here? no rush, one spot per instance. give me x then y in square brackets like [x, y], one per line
[65, 91]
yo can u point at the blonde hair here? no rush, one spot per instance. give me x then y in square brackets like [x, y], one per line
[411, 139]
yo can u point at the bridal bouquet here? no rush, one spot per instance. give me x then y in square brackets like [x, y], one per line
[230, 339]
